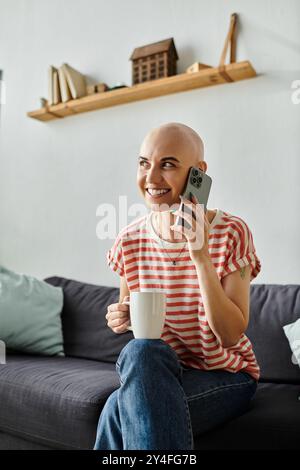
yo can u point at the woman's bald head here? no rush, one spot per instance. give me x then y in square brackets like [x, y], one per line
[176, 139]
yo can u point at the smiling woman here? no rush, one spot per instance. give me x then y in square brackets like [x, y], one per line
[203, 346]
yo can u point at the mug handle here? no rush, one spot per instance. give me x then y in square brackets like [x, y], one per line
[127, 302]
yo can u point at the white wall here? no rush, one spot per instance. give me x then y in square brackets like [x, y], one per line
[54, 175]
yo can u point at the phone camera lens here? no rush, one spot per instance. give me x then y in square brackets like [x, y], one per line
[194, 172]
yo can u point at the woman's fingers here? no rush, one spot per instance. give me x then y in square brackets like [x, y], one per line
[114, 309]
[118, 307]
[118, 317]
[120, 328]
[115, 315]
[117, 322]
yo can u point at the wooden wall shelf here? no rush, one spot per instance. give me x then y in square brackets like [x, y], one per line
[232, 72]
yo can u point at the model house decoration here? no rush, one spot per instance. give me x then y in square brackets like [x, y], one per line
[156, 60]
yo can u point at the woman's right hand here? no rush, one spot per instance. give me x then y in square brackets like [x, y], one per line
[118, 317]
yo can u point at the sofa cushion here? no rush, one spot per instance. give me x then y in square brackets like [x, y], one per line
[30, 314]
[54, 401]
[292, 332]
[272, 423]
[85, 329]
[271, 307]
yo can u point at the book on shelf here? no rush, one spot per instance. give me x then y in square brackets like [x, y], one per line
[75, 81]
[51, 71]
[56, 88]
[53, 86]
[64, 87]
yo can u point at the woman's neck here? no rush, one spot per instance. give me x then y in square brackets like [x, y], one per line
[163, 220]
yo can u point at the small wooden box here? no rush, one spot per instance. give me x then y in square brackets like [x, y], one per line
[97, 88]
[101, 87]
[196, 67]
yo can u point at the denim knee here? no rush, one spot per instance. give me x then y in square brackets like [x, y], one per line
[143, 352]
[146, 348]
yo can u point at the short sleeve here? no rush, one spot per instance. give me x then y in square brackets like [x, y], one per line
[114, 257]
[242, 252]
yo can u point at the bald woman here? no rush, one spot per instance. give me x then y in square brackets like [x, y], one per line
[202, 372]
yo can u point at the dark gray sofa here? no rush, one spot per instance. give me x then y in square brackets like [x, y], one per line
[55, 402]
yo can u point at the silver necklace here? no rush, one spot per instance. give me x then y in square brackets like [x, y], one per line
[162, 245]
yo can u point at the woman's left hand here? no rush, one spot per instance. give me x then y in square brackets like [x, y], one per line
[197, 236]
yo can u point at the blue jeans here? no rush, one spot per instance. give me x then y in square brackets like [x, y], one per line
[162, 406]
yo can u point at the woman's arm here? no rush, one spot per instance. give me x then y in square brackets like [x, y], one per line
[226, 303]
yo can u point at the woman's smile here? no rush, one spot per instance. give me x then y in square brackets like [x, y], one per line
[157, 193]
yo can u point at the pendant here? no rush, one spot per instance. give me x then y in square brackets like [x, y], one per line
[174, 262]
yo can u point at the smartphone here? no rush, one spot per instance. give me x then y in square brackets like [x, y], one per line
[198, 184]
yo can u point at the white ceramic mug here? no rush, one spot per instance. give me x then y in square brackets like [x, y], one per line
[147, 314]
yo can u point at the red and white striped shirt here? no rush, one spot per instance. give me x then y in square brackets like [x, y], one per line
[138, 254]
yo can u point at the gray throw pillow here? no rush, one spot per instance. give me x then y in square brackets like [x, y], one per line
[30, 314]
[85, 329]
[292, 332]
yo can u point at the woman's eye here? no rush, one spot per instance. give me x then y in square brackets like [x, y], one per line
[168, 163]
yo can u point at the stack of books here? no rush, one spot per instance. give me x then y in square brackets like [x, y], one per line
[65, 84]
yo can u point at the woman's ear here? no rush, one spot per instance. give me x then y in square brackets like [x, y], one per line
[202, 166]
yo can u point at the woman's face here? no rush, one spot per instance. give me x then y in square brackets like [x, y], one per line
[163, 166]
[161, 180]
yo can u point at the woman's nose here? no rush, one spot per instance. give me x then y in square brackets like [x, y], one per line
[154, 175]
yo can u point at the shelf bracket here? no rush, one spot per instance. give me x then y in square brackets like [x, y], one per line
[230, 40]
[47, 109]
